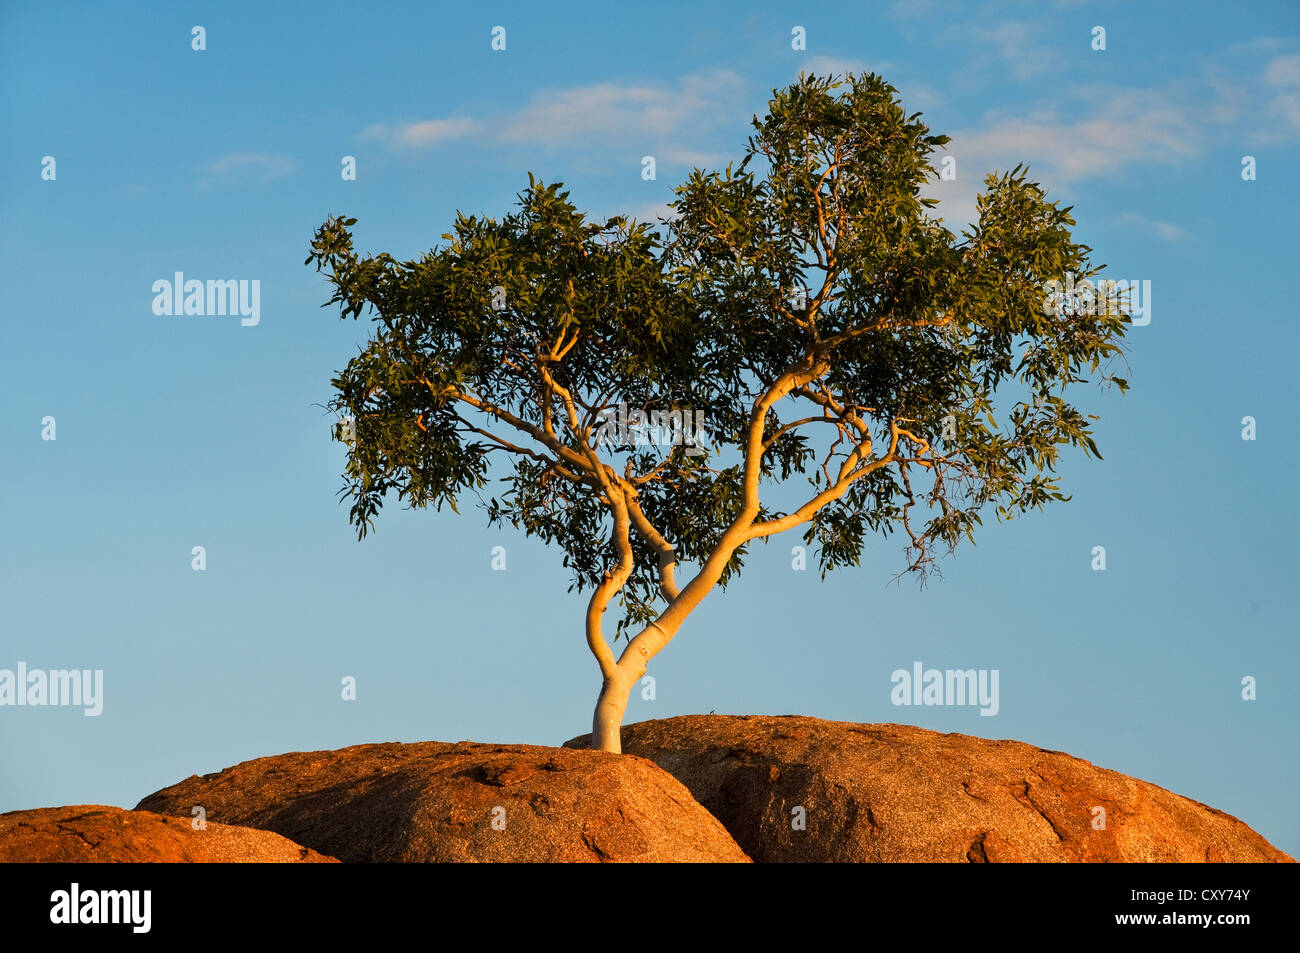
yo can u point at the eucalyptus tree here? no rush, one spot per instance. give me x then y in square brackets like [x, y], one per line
[807, 305]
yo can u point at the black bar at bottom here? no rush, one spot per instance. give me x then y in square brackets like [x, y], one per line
[332, 902]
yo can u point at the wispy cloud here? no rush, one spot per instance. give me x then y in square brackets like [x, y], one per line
[246, 167]
[665, 121]
[1130, 127]
[1015, 45]
[988, 45]
[1163, 230]
[1104, 130]
[423, 134]
[560, 118]
[1283, 76]
[1284, 71]
[1062, 152]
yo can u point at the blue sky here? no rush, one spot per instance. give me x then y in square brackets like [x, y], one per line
[183, 431]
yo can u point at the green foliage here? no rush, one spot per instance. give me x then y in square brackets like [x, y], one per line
[903, 324]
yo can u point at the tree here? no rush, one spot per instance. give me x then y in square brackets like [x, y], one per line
[805, 304]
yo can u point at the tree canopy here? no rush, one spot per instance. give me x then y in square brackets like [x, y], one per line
[806, 303]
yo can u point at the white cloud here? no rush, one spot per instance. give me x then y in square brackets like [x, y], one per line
[1283, 74]
[1164, 230]
[1093, 132]
[1286, 107]
[1255, 46]
[609, 110]
[648, 119]
[1017, 47]
[921, 96]
[1284, 71]
[1099, 131]
[1105, 131]
[1070, 150]
[1014, 44]
[428, 132]
[956, 199]
[248, 167]
[1080, 133]
[679, 155]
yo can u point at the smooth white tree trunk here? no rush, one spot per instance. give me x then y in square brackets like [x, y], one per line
[610, 708]
[620, 676]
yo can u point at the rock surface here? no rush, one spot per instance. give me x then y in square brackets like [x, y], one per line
[897, 793]
[94, 833]
[438, 802]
